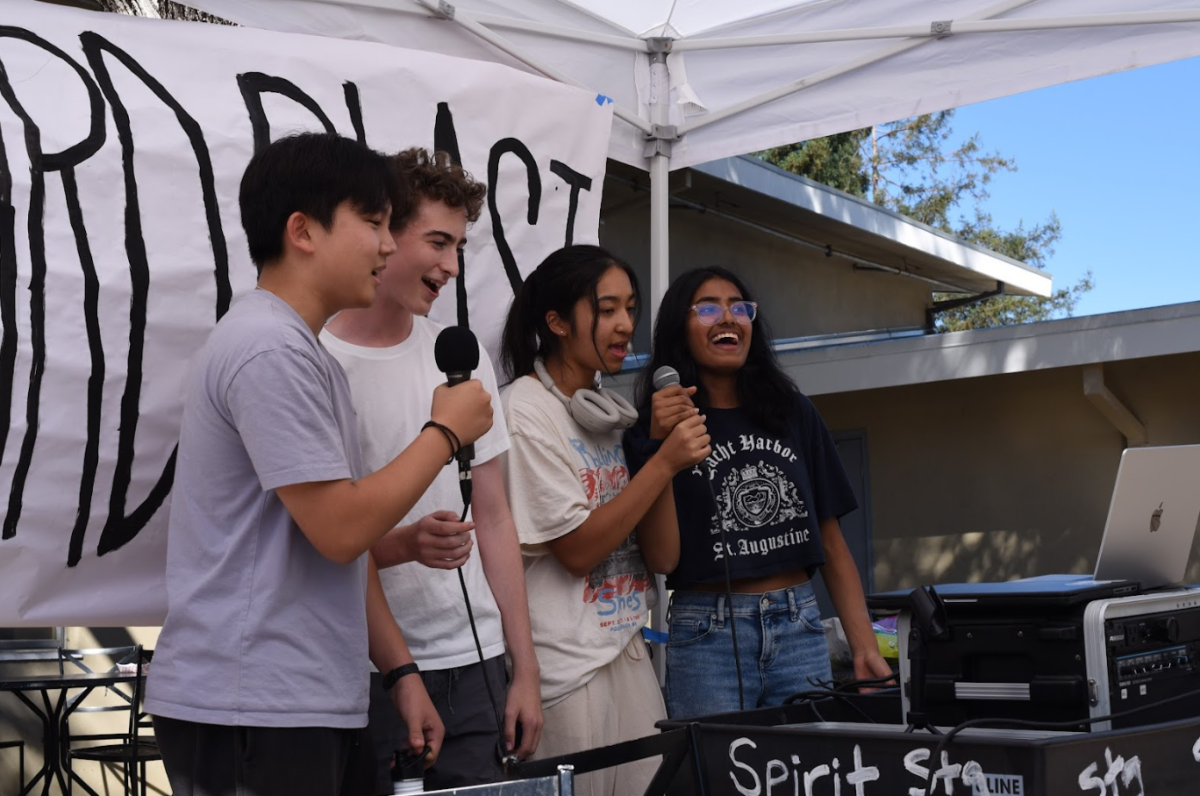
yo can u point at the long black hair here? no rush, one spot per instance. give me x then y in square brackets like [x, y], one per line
[763, 389]
[562, 279]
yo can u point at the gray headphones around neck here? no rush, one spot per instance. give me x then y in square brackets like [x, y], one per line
[598, 410]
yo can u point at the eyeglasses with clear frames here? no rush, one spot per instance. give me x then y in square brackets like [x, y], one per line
[711, 313]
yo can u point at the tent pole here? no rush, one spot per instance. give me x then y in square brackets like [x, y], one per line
[506, 46]
[415, 8]
[949, 27]
[660, 252]
[627, 42]
[660, 276]
[658, 148]
[881, 54]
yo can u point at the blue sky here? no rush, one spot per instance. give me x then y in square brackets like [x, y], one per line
[1117, 158]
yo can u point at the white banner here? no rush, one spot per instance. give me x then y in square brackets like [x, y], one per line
[122, 143]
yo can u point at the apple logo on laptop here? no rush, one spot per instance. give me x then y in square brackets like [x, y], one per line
[1156, 518]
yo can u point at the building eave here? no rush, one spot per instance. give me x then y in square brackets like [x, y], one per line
[1111, 337]
[918, 246]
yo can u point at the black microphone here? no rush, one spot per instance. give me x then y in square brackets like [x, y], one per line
[456, 352]
[665, 377]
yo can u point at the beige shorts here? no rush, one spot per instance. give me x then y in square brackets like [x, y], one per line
[622, 702]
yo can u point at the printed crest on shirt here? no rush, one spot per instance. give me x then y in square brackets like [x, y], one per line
[755, 496]
[758, 501]
[754, 507]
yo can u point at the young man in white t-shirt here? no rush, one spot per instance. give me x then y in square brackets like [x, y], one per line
[387, 352]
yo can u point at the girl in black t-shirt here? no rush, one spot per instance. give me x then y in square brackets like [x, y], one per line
[764, 507]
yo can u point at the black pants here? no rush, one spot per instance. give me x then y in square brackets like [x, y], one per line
[468, 755]
[216, 760]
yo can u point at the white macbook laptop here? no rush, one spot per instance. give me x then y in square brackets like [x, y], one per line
[1152, 517]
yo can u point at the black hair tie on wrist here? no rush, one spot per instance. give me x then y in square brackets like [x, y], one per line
[450, 436]
[393, 677]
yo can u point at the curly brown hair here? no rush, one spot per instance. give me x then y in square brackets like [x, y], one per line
[423, 174]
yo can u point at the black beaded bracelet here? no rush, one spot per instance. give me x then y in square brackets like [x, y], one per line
[393, 677]
[450, 436]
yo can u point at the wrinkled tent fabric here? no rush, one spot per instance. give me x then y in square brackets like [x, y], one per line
[602, 45]
[698, 80]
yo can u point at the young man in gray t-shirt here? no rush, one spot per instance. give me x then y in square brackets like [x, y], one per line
[259, 681]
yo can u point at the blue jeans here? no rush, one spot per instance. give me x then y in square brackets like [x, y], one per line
[781, 645]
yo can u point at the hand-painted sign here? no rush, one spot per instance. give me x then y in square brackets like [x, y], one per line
[122, 143]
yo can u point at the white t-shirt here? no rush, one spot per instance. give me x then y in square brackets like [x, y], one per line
[392, 390]
[556, 473]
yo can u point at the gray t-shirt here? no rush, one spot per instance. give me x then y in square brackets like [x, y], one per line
[261, 629]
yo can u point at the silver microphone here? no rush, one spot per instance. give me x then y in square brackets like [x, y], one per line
[665, 377]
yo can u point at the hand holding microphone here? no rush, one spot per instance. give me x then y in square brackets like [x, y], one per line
[466, 409]
[461, 404]
[678, 421]
[671, 403]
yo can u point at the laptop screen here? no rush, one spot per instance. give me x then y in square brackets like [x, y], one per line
[1152, 517]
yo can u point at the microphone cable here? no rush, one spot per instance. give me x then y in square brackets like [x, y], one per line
[456, 353]
[737, 658]
[664, 377]
[505, 758]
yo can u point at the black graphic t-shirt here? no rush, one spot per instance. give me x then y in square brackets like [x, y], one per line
[771, 492]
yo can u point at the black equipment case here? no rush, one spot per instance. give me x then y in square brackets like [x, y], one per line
[1012, 650]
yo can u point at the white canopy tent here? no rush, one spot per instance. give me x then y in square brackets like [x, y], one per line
[696, 80]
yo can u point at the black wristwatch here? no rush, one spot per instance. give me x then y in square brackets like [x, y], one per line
[393, 677]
